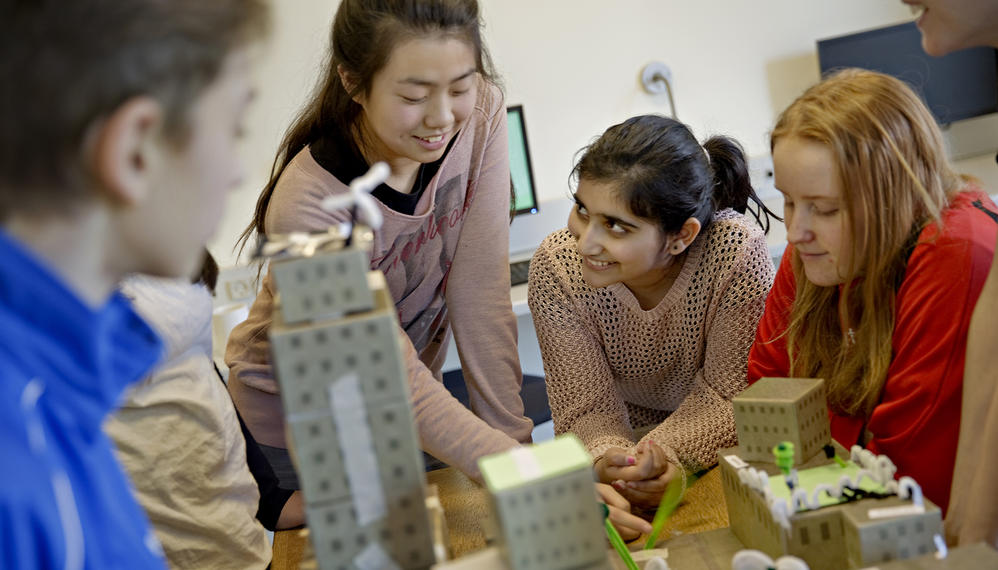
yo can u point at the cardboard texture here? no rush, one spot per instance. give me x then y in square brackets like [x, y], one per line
[336, 354]
[872, 541]
[545, 506]
[975, 556]
[782, 409]
[836, 535]
[324, 286]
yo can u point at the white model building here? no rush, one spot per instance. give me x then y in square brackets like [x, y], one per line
[545, 506]
[335, 344]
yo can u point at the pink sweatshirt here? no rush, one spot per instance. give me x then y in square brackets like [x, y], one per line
[447, 269]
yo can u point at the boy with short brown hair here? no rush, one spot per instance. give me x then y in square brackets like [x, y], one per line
[118, 128]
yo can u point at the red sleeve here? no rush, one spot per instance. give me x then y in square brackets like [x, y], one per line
[768, 357]
[917, 421]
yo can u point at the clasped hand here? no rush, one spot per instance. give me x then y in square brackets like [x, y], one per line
[640, 477]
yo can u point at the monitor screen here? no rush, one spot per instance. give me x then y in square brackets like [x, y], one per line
[955, 87]
[522, 175]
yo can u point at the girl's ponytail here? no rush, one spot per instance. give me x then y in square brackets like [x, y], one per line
[663, 174]
[732, 183]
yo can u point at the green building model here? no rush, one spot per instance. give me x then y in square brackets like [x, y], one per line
[545, 506]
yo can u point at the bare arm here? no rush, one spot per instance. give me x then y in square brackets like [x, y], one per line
[477, 292]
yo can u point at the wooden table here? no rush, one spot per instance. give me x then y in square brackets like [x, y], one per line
[466, 508]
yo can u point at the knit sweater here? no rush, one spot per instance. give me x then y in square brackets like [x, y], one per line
[447, 270]
[611, 366]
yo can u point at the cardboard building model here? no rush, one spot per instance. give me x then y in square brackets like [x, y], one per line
[836, 516]
[790, 409]
[545, 507]
[336, 353]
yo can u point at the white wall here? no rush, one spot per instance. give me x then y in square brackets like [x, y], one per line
[287, 68]
[575, 64]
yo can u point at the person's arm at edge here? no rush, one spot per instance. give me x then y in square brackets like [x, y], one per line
[916, 422]
[973, 514]
[477, 291]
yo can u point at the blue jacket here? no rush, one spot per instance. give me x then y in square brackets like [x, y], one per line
[64, 501]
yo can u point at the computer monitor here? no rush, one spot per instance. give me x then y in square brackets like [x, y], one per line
[520, 171]
[955, 87]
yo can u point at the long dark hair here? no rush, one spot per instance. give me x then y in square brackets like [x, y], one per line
[362, 39]
[664, 175]
[208, 275]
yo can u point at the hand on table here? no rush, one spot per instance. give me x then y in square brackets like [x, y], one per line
[629, 526]
[642, 477]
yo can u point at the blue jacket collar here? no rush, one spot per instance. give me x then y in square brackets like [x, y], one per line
[84, 357]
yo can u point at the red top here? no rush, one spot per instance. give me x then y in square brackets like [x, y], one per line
[917, 421]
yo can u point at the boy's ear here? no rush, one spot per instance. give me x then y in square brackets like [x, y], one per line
[348, 83]
[125, 149]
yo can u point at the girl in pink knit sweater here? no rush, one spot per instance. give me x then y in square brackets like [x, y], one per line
[647, 303]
